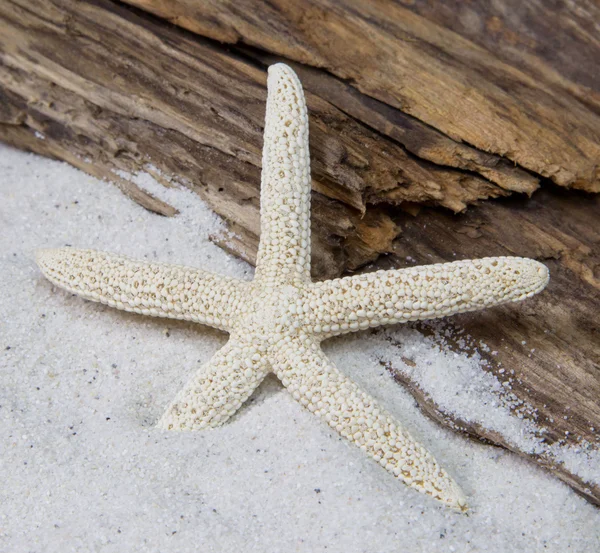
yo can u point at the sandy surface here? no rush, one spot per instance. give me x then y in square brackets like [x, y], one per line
[81, 386]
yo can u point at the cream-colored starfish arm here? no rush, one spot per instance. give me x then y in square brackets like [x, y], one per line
[318, 385]
[284, 251]
[388, 297]
[154, 289]
[277, 321]
[218, 389]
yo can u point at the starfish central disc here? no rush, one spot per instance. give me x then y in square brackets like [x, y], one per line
[276, 322]
[270, 313]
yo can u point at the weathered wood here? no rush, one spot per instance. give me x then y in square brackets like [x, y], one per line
[402, 112]
[556, 43]
[409, 62]
[418, 138]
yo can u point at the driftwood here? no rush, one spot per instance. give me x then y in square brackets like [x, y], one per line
[393, 54]
[440, 105]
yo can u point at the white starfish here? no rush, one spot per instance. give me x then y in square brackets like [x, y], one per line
[277, 321]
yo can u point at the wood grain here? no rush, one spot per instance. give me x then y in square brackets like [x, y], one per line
[397, 56]
[556, 43]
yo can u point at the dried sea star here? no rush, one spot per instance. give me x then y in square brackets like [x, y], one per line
[277, 321]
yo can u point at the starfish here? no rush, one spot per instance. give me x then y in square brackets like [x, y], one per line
[278, 320]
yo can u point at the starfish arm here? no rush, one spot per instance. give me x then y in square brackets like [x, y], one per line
[284, 251]
[217, 390]
[155, 289]
[318, 385]
[387, 297]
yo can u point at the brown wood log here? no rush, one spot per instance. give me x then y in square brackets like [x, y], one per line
[408, 61]
[409, 106]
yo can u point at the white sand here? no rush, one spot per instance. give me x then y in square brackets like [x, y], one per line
[81, 385]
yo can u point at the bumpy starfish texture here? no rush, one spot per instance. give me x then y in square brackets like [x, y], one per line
[277, 321]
